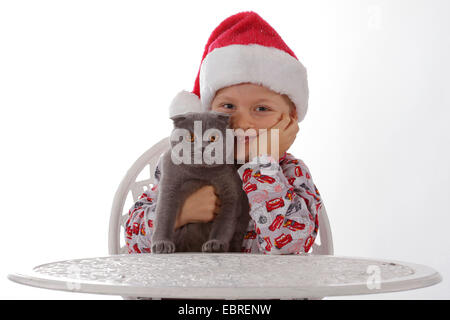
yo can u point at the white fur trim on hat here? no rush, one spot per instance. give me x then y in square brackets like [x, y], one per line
[183, 102]
[267, 66]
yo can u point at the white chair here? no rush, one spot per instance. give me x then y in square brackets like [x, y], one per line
[129, 186]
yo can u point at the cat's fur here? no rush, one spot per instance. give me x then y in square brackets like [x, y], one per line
[178, 181]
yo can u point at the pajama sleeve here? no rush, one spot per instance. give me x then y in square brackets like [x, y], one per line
[284, 203]
[139, 225]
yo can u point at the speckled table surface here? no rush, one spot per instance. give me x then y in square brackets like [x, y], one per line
[228, 276]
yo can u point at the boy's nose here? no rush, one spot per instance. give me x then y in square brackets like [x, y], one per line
[240, 120]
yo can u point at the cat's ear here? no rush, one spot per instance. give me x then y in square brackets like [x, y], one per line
[178, 118]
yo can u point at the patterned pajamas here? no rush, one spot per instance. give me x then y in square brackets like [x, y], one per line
[284, 207]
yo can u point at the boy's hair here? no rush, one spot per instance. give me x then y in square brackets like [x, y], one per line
[292, 108]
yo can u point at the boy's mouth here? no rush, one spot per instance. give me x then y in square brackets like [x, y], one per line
[244, 138]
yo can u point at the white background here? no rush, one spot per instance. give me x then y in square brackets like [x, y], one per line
[85, 88]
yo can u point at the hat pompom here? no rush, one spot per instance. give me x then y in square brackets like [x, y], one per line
[184, 102]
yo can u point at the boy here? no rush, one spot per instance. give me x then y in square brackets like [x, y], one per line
[247, 70]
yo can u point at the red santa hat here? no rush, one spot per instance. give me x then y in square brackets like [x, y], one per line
[245, 48]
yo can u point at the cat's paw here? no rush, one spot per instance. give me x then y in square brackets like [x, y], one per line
[214, 246]
[163, 246]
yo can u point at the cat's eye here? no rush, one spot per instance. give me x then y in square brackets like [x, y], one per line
[190, 137]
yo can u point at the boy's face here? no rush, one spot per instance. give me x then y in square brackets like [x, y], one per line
[252, 106]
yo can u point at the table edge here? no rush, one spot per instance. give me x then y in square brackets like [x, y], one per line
[427, 277]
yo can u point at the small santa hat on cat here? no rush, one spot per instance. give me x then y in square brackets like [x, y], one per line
[245, 48]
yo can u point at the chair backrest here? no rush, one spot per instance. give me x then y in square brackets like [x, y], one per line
[131, 187]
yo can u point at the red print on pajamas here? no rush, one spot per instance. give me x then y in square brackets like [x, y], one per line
[284, 221]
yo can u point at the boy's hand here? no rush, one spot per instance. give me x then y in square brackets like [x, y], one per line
[201, 206]
[287, 131]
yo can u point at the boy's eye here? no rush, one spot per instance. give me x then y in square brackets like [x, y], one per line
[262, 108]
[228, 106]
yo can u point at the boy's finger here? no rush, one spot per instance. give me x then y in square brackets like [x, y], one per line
[283, 123]
[292, 128]
[213, 189]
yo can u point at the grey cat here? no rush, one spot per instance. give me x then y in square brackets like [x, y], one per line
[226, 232]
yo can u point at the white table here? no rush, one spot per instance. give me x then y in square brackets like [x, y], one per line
[228, 276]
